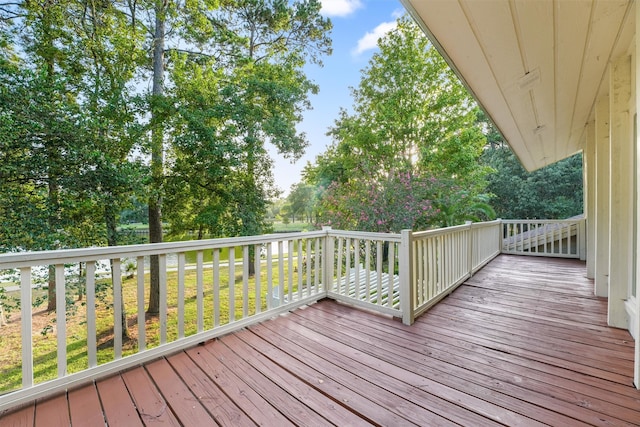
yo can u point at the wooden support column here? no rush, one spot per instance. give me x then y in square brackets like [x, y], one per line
[601, 273]
[621, 193]
[589, 168]
[636, 319]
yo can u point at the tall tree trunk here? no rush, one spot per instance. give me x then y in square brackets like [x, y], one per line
[112, 240]
[250, 224]
[81, 274]
[157, 141]
[54, 194]
[53, 188]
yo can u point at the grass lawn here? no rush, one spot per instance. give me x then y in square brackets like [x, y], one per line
[280, 227]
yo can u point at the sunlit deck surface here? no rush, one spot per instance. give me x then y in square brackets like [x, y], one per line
[523, 342]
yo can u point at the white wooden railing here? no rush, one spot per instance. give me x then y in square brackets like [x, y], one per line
[366, 270]
[549, 238]
[288, 274]
[443, 259]
[206, 289]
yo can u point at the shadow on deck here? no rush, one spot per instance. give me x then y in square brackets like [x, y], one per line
[523, 342]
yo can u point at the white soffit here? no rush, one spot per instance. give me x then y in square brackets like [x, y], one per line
[535, 66]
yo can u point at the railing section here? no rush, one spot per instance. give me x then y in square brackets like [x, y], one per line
[366, 270]
[442, 259]
[207, 288]
[549, 238]
[485, 241]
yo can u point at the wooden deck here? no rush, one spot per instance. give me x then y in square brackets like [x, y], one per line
[523, 342]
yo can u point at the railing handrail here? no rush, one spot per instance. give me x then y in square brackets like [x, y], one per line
[391, 237]
[486, 223]
[542, 221]
[440, 231]
[64, 256]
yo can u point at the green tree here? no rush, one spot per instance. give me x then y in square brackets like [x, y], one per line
[48, 99]
[224, 79]
[68, 126]
[411, 113]
[168, 26]
[106, 51]
[43, 146]
[229, 107]
[302, 200]
[411, 116]
[553, 192]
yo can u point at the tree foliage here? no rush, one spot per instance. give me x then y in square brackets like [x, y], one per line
[302, 201]
[553, 192]
[413, 138]
[399, 201]
[253, 95]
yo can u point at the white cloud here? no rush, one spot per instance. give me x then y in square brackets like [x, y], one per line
[370, 39]
[398, 13]
[339, 7]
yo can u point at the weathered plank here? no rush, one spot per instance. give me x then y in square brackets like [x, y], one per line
[117, 405]
[85, 407]
[148, 400]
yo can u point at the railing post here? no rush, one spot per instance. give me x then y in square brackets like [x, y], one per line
[582, 239]
[500, 235]
[27, 327]
[470, 249]
[406, 265]
[328, 257]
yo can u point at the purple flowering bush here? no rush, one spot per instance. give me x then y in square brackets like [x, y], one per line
[391, 203]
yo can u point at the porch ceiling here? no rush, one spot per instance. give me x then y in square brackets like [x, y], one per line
[536, 67]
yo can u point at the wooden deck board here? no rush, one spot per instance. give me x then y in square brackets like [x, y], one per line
[314, 399]
[23, 417]
[223, 409]
[450, 369]
[519, 333]
[389, 358]
[276, 394]
[85, 407]
[533, 327]
[369, 401]
[53, 412]
[415, 404]
[150, 404]
[179, 397]
[254, 405]
[522, 342]
[118, 407]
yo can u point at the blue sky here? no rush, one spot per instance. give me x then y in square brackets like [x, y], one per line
[357, 25]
